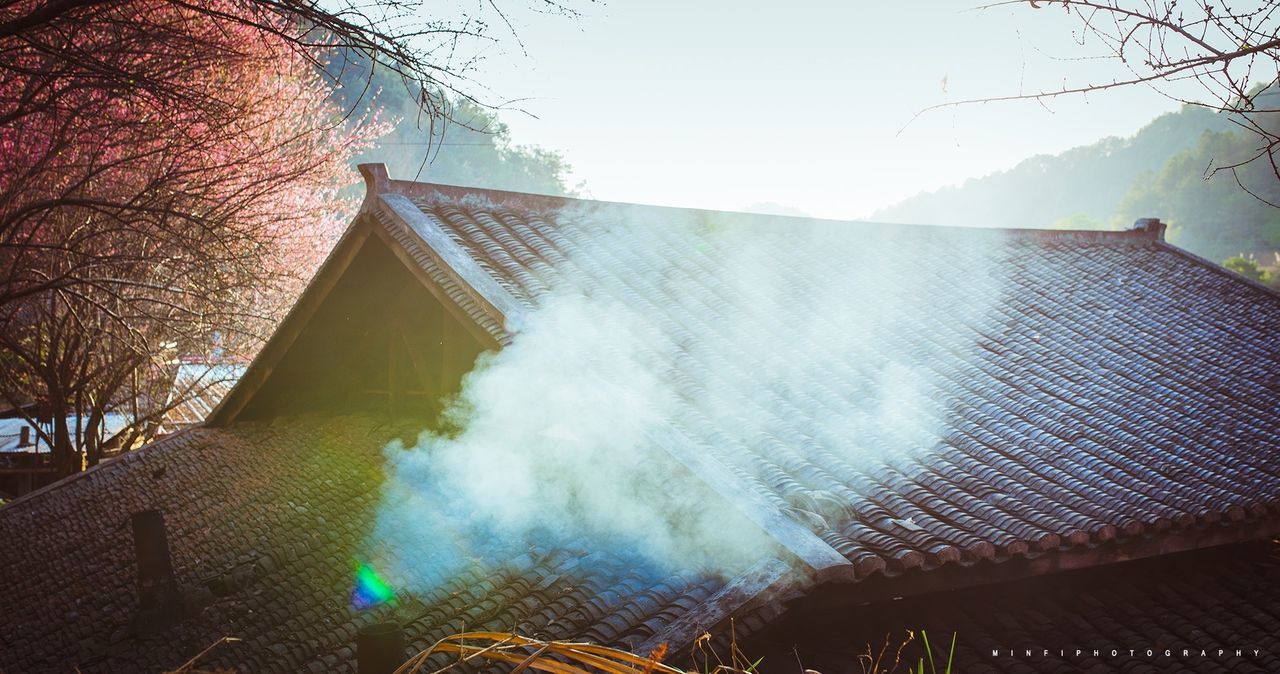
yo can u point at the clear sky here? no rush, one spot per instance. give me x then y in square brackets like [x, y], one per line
[730, 105]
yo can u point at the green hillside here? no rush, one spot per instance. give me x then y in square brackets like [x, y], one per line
[1165, 171]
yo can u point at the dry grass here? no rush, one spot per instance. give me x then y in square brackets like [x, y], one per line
[570, 657]
[559, 657]
[566, 657]
[738, 662]
[874, 663]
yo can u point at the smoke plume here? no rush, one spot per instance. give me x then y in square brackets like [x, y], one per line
[762, 344]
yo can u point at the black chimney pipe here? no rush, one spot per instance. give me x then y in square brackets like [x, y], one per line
[159, 603]
[151, 546]
[379, 648]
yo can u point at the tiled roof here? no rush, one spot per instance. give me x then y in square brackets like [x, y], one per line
[916, 401]
[265, 523]
[1069, 388]
[1224, 599]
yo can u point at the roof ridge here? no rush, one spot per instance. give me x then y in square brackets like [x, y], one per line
[413, 189]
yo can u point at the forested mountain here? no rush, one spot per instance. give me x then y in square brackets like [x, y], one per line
[1209, 212]
[1087, 183]
[1166, 170]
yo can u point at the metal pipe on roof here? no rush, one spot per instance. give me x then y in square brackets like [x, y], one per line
[159, 603]
[379, 648]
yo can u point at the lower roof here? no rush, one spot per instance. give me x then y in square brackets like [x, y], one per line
[266, 524]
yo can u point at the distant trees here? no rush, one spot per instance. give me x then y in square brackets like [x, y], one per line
[1248, 268]
[1211, 170]
[477, 149]
[1088, 182]
[1159, 172]
[1215, 216]
[471, 146]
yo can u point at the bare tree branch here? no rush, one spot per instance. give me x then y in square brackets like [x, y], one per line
[1232, 56]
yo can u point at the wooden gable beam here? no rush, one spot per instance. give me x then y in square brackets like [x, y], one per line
[259, 371]
[366, 225]
[419, 359]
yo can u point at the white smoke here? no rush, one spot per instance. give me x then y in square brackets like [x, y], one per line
[815, 343]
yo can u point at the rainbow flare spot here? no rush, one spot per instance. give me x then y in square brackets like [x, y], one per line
[370, 590]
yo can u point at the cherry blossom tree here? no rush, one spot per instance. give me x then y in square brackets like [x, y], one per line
[141, 221]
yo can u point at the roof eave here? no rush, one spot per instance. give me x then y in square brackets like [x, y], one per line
[957, 576]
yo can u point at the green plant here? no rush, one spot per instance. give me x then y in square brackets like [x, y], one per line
[738, 662]
[928, 652]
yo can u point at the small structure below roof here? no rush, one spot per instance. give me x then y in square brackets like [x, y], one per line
[26, 461]
[198, 387]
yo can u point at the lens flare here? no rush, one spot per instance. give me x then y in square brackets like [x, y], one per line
[370, 590]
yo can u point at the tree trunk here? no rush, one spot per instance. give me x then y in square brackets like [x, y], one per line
[93, 439]
[64, 450]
